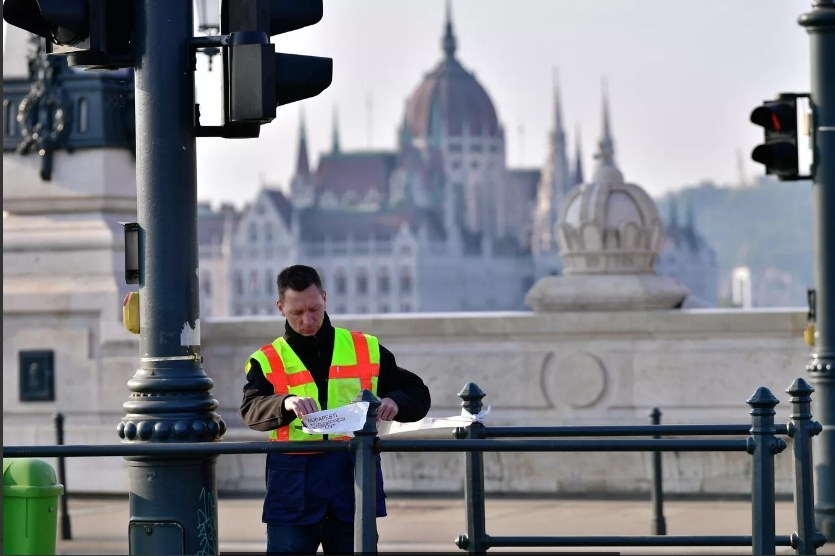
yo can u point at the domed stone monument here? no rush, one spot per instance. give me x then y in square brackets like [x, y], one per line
[608, 234]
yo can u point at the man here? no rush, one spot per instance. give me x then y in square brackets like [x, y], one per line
[310, 496]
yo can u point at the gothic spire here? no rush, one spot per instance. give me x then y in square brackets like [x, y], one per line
[607, 144]
[335, 137]
[690, 216]
[449, 43]
[558, 128]
[673, 212]
[578, 158]
[302, 163]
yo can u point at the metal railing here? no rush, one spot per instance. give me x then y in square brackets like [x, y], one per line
[761, 438]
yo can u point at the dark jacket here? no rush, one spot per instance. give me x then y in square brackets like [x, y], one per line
[302, 489]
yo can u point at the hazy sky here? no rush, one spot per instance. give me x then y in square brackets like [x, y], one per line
[682, 80]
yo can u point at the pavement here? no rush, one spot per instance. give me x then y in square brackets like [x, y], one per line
[430, 524]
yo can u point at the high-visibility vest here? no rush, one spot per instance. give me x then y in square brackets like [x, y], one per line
[355, 366]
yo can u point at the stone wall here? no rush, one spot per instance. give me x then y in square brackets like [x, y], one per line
[697, 366]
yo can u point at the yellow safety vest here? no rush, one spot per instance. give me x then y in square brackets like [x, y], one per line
[355, 366]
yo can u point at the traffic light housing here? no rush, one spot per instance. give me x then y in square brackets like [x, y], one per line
[92, 33]
[786, 152]
[256, 78]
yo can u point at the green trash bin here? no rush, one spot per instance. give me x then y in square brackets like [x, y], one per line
[30, 506]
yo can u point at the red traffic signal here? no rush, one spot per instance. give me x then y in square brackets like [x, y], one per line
[780, 153]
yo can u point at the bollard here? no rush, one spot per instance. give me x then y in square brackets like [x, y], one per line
[762, 444]
[659, 524]
[66, 530]
[476, 541]
[365, 478]
[801, 429]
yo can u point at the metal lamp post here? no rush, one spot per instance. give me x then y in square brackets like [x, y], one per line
[820, 24]
[173, 501]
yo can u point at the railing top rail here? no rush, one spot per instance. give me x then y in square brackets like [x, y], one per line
[623, 430]
[669, 540]
[218, 448]
[172, 449]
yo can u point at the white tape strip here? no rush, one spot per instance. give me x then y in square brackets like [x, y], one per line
[347, 419]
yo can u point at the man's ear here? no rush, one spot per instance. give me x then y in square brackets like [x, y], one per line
[280, 306]
[325, 298]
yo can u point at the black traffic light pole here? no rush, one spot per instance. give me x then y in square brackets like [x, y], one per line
[173, 501]
[820, 24]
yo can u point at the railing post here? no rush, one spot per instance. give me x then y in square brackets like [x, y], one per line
[801, 430]
[66, 530]
[476, 541]
[762, 444]
[659, 524]
[365, 478]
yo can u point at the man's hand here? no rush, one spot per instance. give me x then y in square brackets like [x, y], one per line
[301, 406]
[388, 409]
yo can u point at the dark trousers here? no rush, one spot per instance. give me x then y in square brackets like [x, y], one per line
[336, 537]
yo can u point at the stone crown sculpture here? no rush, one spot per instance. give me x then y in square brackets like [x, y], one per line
[608, 226]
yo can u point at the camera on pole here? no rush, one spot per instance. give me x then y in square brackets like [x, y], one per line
[92, 33]
[787, 151]
[256, 78]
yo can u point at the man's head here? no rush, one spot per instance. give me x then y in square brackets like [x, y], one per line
[301, 299]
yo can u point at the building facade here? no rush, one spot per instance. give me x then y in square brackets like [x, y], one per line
[441, 223]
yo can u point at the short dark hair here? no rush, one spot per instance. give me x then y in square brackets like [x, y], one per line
[298, 277]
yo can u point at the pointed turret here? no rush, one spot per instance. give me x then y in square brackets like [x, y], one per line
[335, 136]
[606, 155]
[555, 182]
[302, 162]
[690, 217]
[405, 135]
[558, 127]
[578, 158]
[673, 213]
[449, 44]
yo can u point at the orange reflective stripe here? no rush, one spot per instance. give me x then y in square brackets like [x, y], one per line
[365, 369]
[276, 376]
[299, 379]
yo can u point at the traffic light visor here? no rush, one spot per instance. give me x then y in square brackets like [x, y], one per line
[26, 15]
[780, 118]
[64, 21]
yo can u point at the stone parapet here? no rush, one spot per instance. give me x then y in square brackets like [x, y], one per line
[569, 368]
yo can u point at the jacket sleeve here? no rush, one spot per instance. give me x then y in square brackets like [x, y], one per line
[261, 409]
[404, 387]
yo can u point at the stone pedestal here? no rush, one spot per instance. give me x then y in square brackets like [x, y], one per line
[605, 292]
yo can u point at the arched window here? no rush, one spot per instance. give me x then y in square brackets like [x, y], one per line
[362, 282]
[268, 232]
[253, 281]
[383, 282]
[268, 282]
[405, 281]
[83, 115]
[239, 284]
[10, 115]
[253, 232]
[341, 282]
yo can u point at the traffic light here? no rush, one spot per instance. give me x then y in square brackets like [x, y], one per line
[786, 152]
[256, 78]
[92, 33]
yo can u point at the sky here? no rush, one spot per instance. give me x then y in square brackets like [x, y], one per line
[682, 79]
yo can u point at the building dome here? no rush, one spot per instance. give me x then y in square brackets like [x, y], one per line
[450, 100]
[608, 226]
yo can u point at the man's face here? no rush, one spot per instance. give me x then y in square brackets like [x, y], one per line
[304, 310]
